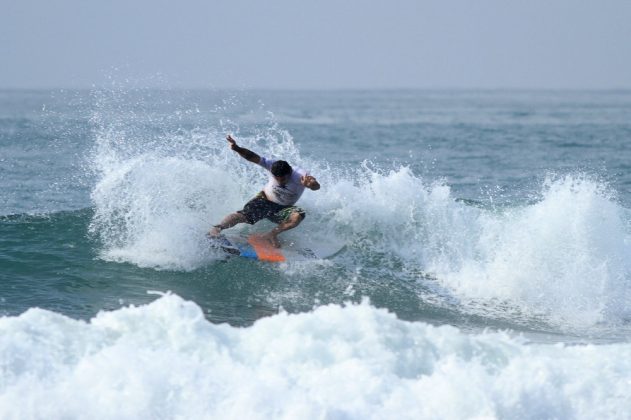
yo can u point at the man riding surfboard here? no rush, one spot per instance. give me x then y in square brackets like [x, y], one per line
[276, 202]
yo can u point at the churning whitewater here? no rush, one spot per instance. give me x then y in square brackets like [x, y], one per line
[165, 360]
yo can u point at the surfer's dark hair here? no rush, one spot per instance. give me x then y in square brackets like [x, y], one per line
[280, 168]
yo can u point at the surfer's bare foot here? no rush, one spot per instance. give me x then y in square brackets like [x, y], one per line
[272, 239]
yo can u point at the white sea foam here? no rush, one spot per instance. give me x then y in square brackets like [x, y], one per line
[164, 360]
[149, 212]
[565, 257]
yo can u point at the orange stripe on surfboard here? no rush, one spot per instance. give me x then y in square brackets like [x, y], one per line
[264, 249]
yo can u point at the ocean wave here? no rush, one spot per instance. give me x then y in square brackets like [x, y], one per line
[562, 257]
[565, 256]
[165, 360]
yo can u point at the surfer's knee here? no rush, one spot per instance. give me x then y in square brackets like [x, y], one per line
[299, 213]
[296, 217]
[292, 220]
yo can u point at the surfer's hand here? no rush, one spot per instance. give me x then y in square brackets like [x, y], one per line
[309, 182]
[233, 143]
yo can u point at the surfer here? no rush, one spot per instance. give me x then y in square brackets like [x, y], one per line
[276, 201]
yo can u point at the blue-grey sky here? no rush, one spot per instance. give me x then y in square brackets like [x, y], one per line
[323, 44]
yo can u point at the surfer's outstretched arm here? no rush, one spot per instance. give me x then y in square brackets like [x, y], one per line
[245, 153]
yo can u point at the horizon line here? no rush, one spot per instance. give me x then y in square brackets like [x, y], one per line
[313, 89]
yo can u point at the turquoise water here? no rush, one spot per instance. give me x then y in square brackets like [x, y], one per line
[500, 210]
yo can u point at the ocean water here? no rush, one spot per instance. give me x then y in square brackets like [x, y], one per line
[484, 270]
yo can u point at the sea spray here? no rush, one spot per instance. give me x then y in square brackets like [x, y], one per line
[160, 187]
[565, 256]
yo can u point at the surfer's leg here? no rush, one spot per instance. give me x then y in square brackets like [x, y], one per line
[290, 222]
[253, 211]
[229, 221]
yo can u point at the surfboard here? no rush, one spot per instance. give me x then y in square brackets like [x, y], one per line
[256, 248]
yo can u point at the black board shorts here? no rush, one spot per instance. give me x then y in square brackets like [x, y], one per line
[260, 208]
